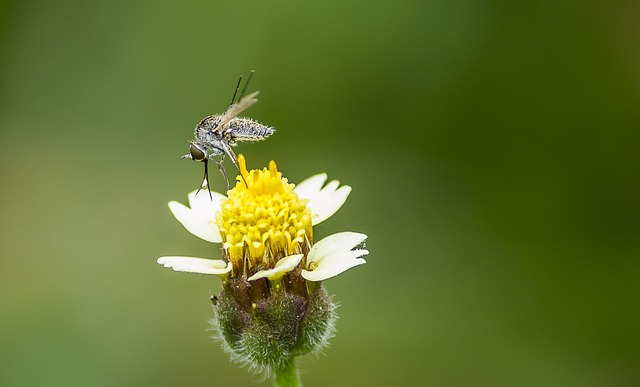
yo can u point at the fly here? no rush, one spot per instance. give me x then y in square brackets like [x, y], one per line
[216, 135]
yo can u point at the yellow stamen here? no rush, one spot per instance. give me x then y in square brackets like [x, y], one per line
[263, 221]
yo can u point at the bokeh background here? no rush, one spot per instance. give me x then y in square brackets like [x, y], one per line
[492, 147]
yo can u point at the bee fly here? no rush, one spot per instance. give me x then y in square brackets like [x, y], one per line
[216, 135]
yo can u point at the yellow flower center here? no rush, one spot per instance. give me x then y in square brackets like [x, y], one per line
[263, 220]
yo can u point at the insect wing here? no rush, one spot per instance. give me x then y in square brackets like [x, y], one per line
[237, 108]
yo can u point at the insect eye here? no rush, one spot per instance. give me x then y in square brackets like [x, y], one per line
[197, 153]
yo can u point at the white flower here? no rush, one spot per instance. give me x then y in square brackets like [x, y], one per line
[327, 258]
[334, 255]
[200, 219]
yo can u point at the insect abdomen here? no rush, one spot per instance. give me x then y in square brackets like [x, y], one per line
[246, 129]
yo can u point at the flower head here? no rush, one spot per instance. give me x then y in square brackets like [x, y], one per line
[262, 221]
[265, 219]
[273, 306]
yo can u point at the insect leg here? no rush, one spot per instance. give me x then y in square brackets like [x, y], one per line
[222, 170]
[234, 159]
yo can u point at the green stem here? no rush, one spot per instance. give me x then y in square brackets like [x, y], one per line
[287, 376]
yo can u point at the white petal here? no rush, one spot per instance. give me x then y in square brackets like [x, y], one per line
[341, 242]
[323, 273]
[328, 202]
[334, 255]
[311, 186]
[281, 267]
[196, 265]
[201, 224]
[323, 202]
[201, 202]
[339, 258]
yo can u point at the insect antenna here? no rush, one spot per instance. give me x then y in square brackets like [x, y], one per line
[235, 93]
[233, 99]
[246, 84]
[205, 178]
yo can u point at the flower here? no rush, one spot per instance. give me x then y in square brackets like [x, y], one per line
[273, 220]
[273, 306]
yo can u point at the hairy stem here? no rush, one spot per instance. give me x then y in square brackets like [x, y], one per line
[287, 376]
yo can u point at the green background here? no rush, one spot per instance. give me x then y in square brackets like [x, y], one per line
[493, 149]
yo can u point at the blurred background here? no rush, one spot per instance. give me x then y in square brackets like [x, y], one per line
[492, 147]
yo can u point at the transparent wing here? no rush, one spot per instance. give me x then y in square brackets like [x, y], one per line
[237, 108]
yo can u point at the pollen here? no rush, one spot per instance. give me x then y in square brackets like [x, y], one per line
[262, 220]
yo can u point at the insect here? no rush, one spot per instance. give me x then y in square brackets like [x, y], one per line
[216, 135]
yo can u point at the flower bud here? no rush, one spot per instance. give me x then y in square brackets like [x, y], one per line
[268, 327]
